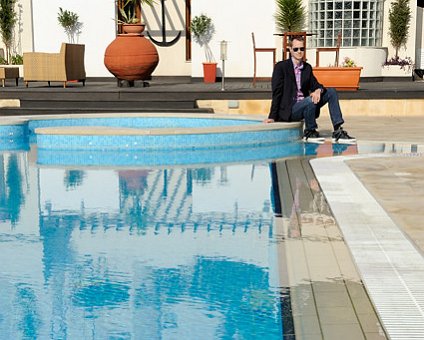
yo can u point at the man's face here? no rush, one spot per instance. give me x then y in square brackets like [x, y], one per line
[297, 50]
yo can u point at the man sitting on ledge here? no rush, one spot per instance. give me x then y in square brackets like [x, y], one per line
[297, 95]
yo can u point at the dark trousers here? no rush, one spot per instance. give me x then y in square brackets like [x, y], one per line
[307, 110]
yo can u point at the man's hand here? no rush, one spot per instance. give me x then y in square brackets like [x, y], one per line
[316, 96]
[269, 120]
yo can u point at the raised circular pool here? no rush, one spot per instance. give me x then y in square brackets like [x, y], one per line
[154, 139]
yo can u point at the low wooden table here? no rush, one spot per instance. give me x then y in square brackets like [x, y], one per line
[9, 73]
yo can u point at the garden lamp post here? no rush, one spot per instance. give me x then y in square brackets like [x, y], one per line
[223, 45]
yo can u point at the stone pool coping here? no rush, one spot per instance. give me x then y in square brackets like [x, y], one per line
[12, 121]
[119, 131]
[390, 265]
[115, 131]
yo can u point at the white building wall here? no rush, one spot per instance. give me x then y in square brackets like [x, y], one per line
[172, 59]
[234, 23]
[23, 29]
[419, 39]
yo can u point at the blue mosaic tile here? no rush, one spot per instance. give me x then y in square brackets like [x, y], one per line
[14, 137]
[166, 142]
[14, 130]
[14, 144]
[168, 157]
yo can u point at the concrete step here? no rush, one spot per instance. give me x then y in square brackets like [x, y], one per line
[108, 104]
[71, 94]
[19, 111]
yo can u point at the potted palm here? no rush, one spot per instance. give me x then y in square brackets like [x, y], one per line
[203, 29]
[129, 15]
[290, 15]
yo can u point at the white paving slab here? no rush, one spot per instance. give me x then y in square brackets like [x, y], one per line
[391, 267]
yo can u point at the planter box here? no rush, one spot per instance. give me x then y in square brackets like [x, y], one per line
[20, 66]
[396, 71]
[340, 78]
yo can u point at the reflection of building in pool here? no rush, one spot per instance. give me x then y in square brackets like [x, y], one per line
[12, 181]
[175, 298]
[200, 251]
[300, 203]
[167, 198]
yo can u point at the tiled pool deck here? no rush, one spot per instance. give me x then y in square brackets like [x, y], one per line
[376, 203]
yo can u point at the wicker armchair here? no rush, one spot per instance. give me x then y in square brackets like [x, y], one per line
[68, 65]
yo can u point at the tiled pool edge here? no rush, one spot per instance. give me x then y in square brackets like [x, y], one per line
[391, 268]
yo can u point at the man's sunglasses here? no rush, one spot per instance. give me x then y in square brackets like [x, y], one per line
[295, 49]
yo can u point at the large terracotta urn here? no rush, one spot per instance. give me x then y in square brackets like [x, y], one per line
[131, 57]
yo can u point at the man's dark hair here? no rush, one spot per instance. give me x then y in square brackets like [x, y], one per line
[296, 37]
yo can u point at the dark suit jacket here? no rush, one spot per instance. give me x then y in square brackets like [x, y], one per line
[284, 88]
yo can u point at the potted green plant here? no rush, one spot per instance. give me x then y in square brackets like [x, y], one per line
[290, 15]
[203, 29]
[399, 19]
[70, 23]
[399, 22]
[129, 15]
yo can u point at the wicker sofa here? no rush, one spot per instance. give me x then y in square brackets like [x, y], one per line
[67, 65]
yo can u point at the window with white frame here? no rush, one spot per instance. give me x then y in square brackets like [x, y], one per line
[360, 22]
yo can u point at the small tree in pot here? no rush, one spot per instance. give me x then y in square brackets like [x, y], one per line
[203, 29]
[399, 19]
[7, 24]
[70, 23]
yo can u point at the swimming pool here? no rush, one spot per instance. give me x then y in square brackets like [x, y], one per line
[169, 248]
[144, 253]
[106, 244]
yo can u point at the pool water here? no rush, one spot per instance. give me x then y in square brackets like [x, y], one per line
[131, 252]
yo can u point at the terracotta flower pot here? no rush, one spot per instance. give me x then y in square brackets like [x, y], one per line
[209, 72]
[340, 78]
[133, 28]
[131, 57]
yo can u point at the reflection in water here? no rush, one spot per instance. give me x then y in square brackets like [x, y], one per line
[73, 178]
[28, 319]
[329, 149]
[177, 253]
[11, 191]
